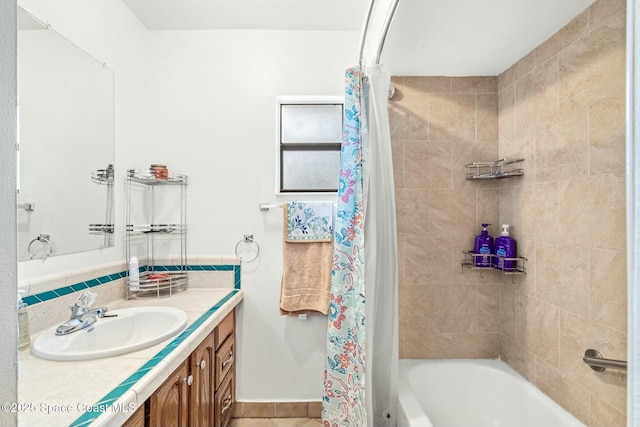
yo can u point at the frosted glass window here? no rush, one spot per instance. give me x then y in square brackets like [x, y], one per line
[309, 140]
[311, 123]
[310, 170]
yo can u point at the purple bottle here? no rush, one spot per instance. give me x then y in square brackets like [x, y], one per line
[484, 247]
[505, 247]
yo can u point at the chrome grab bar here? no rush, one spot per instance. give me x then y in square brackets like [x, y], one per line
[594, 359]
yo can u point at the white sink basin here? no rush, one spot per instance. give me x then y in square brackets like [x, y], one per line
[133, 329]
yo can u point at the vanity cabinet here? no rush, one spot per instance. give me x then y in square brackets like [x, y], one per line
[137, 419]
[201, 391]
[169, 405]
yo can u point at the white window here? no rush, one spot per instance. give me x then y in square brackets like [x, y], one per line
[309, 140]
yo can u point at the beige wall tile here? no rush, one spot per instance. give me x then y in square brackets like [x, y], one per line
[607, 135]
[601, 10]
[479, 84]
[258, 409]
[506, 118]
[452, 213]
[427, 260]
[562, 148]
[520, 146]
[570, 395]
[518, 358]
[412, 210]
[537, 328]
[427, 165]
[464, 153]
[408, 118]
[593, 67]
[537, 212]
[452, 309]
[592, 211]
[487, 117]
[562, 276]
[516, 71]
[397, 152]
[488, 305]
[291, 409]
[579, 334]
[433, 84]
[608, 288]
[571, 32]
[508, 312]
[603, 415]
[452, 117]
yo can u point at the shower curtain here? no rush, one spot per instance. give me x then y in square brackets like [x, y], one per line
[361, 370]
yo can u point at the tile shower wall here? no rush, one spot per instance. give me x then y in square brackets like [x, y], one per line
[562, 108]
[439, 124]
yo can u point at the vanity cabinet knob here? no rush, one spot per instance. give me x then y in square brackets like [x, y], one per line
[188, 380]
[202, 364]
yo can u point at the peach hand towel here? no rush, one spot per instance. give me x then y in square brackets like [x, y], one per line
[306, 274]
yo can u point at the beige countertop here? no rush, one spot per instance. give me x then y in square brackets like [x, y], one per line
[105, 392]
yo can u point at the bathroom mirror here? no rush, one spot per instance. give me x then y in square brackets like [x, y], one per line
[66, 145]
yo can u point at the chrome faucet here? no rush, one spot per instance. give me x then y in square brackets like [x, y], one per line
[81, 318]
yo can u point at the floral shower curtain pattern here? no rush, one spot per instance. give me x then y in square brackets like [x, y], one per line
[344, 377]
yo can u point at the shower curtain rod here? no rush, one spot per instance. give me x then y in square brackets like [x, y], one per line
[387, 24]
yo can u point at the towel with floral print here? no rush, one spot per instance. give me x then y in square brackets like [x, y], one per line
[309, 221]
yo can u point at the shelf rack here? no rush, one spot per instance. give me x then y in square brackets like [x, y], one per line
[155, 280]
[497, 169]
[470, 257]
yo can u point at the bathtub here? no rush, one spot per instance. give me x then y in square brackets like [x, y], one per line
[473, 393]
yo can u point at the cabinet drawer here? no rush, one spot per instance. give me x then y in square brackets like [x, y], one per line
[225, 399]
[225, 358]
[224, 329]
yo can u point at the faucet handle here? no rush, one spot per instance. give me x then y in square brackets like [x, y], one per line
[77, 310]
[86, 298]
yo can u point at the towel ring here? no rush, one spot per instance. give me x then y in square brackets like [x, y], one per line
[41, 238]
[248, 240]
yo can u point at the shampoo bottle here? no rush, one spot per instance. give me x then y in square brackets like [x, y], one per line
[505, 247]
[24, 336]
[483, 248]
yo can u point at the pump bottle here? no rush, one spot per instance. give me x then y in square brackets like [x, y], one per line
[483, 248]
[505, 247]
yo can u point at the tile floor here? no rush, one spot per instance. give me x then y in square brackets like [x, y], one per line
[275, 422]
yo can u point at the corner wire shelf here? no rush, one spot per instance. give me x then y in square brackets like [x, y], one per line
[159, 281]
[148, 179]
[101, 229]
[494, 170]
[103, 176]
[469, 261]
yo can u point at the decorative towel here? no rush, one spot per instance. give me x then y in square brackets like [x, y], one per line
[306, 270]
[309, 221]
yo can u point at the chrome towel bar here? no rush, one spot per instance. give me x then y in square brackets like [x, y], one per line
[594, 359]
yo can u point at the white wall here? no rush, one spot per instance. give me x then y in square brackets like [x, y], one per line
[109, 32]
[212, 116]
[203, 102]
[8, 300]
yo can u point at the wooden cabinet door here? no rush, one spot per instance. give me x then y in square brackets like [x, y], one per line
[201, 392]
[137, 419]
[169, 405]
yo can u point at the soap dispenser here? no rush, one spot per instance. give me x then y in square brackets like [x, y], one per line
[505, 247]
[483, 247]
[24, 336]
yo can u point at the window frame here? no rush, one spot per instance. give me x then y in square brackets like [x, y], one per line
[303, 146]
